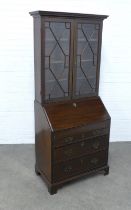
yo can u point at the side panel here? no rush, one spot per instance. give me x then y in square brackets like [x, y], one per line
[37, 57]
[42, 142]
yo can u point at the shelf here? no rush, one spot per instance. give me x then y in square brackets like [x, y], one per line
[62, 62]
[65, 40]
[53, 80]
[84, 40]
[89, 77]
[58, 62]
[53, 40]
[87, 60]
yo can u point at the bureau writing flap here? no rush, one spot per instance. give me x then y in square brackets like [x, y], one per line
[75, 113]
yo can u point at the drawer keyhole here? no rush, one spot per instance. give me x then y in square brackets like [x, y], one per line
[68, 152]
[82, 162]
[74, 105]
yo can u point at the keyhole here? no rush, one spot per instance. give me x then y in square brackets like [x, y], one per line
[74, 105]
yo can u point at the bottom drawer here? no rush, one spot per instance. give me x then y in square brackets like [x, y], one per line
[74, 167]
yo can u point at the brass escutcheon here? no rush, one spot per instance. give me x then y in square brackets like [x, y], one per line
[74, 105]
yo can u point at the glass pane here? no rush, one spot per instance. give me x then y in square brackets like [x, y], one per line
[86, 65]
[57, 51]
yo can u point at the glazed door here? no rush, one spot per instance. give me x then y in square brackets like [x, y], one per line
[86, 60]
[57, 58]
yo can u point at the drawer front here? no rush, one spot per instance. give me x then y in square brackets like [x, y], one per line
[81, 133]
[81, 148]
[74, 167]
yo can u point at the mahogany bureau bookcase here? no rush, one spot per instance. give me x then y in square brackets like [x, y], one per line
[72, 125]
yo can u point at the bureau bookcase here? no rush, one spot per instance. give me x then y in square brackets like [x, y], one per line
[72, 125]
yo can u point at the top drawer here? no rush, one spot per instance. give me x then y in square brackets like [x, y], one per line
[79, 134]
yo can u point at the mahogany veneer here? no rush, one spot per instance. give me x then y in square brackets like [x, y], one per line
[72, 125]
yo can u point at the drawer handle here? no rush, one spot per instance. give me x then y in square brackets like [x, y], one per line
[68, 152]
[68, 169]
[82, 144]
[82, 136]
[96, 145]
[94, 161]
[69, 139]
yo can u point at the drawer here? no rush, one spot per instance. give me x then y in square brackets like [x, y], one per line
[80, 133]
[77, 166]
[81, 148]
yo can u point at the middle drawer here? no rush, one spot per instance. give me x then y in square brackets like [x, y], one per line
[80, 148]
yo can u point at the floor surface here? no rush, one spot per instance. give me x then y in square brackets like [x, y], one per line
[21, 189]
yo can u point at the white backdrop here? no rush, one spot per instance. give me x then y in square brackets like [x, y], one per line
[16, 64]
